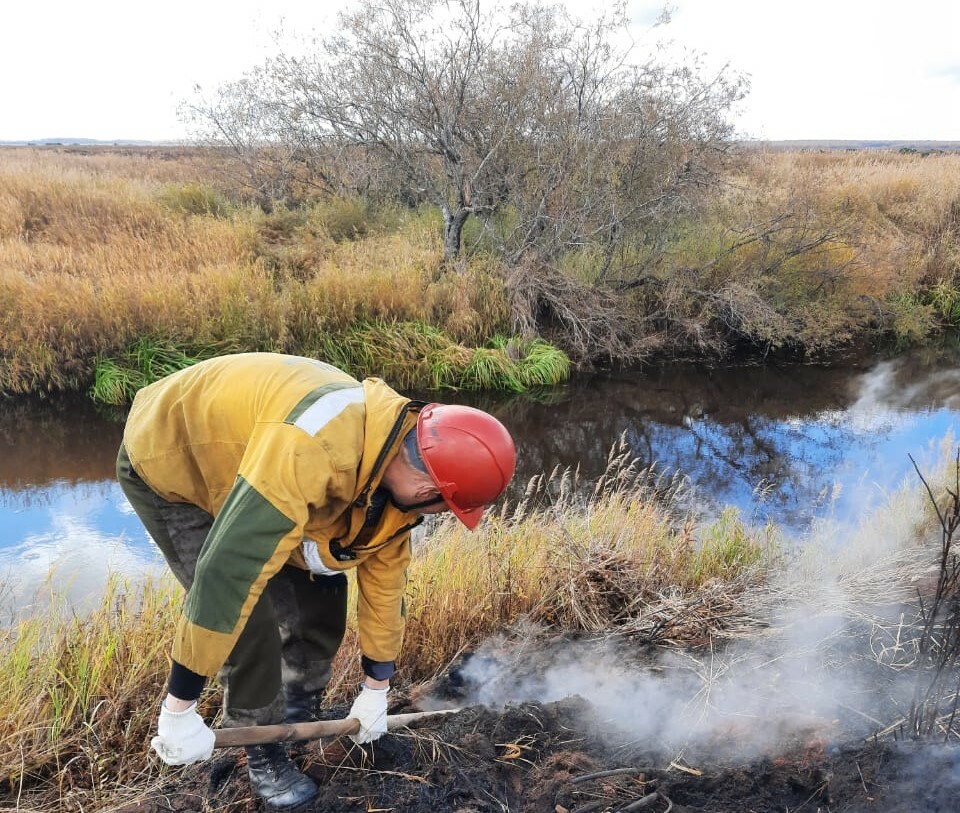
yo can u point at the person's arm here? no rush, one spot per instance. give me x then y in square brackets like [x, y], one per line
[381, 611]
[248, 542]
[381, 584]
[283, 473]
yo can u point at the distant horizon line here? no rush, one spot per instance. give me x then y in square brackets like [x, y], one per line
[167, 142]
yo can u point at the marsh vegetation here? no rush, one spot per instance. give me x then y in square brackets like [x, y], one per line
[80, 691]
[567, 571]
[119, 266]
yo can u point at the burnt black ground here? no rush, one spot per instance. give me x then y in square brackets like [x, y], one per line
[527, 759]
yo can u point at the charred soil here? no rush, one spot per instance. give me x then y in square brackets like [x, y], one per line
[556, 758]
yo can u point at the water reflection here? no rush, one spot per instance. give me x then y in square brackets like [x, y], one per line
[782, 443]
[69, 536]
[64, 522]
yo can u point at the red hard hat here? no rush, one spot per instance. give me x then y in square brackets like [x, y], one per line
[469, 455]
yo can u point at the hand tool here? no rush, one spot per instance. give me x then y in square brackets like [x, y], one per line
[286, 732]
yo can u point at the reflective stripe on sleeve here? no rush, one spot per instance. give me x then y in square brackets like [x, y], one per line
[327, 403]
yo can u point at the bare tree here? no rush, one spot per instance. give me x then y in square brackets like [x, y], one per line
[610, 147]
[404, 79]
[270, 157]
[547, 129]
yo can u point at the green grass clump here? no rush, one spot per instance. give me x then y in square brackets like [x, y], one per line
[728, 547]
[116, 380]
[412, 355]
[944, 297]
[408, 355]
[518, 366]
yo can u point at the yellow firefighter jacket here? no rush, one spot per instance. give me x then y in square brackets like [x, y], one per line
[278, 449]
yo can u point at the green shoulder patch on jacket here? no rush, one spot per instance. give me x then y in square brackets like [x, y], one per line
[244, 537]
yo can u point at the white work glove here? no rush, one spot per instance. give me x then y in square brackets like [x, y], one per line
[370, 708]
[182, 737]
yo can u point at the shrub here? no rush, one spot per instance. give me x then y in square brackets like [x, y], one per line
[342, 218]
[194, 199]
[909, 319]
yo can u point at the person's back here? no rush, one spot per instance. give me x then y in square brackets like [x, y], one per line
[187, 433]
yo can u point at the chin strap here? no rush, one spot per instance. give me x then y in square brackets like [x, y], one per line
[407, 508]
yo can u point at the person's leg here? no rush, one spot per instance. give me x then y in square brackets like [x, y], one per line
[178, 529]
[251, 676]
[251, 684]
[312, 611]
[252, 696]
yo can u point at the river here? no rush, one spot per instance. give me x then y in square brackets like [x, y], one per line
[787, 444]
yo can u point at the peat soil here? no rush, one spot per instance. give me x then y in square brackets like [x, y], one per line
[555, 758]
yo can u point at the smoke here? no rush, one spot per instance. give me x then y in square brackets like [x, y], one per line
[836, 656]
[802, 680]
[832, 662]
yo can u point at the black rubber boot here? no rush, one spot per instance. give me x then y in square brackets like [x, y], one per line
[302, 706]
[276, 779]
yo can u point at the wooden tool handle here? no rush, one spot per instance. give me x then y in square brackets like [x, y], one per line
[285, 732]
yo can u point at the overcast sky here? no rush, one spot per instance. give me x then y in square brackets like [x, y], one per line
[838, 69]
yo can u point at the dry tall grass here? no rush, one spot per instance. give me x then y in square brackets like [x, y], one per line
[79, 698]
[902, 210]
[801, 250]
[98, 251]
[811, 251]
[890, 225]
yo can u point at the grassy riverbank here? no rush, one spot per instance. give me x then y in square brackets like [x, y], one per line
[131, 265]
[115, 265]
[79, 694]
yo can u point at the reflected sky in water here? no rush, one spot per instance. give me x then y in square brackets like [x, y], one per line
[836, 460]
[71, 535]
[786, 444]
[834, 463]
[64, 521]
[781, 443]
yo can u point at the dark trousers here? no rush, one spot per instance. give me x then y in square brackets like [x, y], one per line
[293, 632]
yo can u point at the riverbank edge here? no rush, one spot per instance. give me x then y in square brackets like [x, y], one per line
[116, 378]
